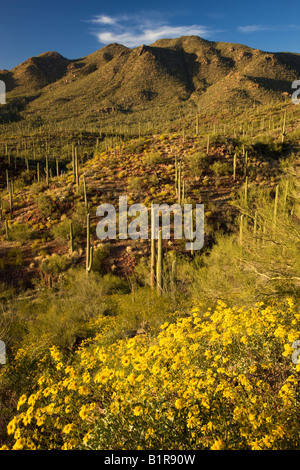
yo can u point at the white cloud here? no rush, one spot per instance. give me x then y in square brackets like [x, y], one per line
[252, 28]
[132, 31]
[103, 19]
[258, 27]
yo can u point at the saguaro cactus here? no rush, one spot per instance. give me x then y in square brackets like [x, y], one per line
[71, 238]
[241, 229]
[234, 166]
[285, 194]
[76, 168]
[245, 163]
[276, 204]
[174, 271]
[159, 264]
[7, 181]
[84, 193]
[89, 248]
[283, 134]
[38, 171]
[207, 146]
[152, 264]
[6, 229]
[47, 170]
[255, 224]
[179, 184]
[246, 191]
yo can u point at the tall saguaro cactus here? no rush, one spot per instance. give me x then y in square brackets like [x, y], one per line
[246, 191]
[10, 196]
[89, 248]
[71, 238]
[47, 170]
[159, 264]
[179, 187]
[207, 145]
[241, 229]
[276, 204]
[283, 134]
[85, 193]
[152, 264]
[234, 167]
[76, 168]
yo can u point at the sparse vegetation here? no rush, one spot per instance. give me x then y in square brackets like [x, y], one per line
[131, 344]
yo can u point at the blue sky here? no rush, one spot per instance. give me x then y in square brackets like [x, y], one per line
[77, 28]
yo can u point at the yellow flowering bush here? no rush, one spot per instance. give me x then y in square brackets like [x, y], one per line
[219, 379]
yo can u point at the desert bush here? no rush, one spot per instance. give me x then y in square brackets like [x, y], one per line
[25, 178]
[14, 259]
[37, 188]
[21, 232]
[99, 257]
[153, 158]
[221, 168]
[134, 183]
[197, 162]
[47, 206]
[55, 264]
[203, 382]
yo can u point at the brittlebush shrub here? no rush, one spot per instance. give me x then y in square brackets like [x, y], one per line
[215, 379]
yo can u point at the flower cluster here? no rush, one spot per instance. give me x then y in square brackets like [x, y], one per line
[220, 379]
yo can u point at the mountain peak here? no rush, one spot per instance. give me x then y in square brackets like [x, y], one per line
[188, 68]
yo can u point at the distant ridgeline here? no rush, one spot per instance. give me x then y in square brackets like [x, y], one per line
[165, 78]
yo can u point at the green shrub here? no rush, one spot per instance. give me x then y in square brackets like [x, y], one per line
[197, 162]
[221, 168]
[154, 158]
[47, 206]
[134, 183]
[100, 254]
[20, 232]
[55, 264]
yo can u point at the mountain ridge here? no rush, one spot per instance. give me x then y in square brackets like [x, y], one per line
[188, 69]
